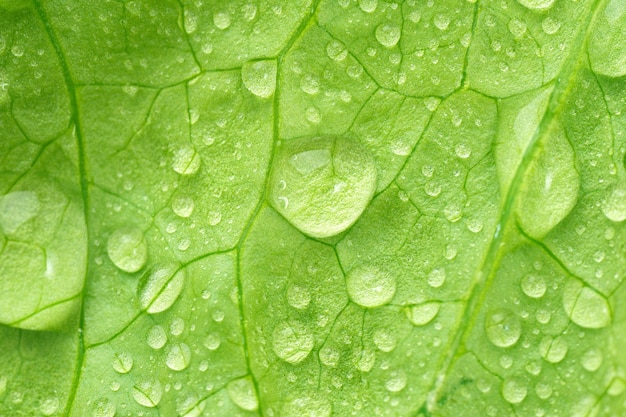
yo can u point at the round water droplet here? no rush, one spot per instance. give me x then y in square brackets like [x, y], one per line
[212, 341]
[536, 4]
[103, 407]
[592, 359]
[160, 287]
[313, 114]
[310, 84]
[178, 357]
[543, 390]
[186, 160]
[462, 151]
[336, 50]
[614, 205]
[368, 6]
[259, 77]
[128, 249]
[307, 407]
[49, 406]
[503, 328]
[397, 381]
[384, 340]
[441, 21]
[122, 362]
[298, 296]
[329, 356]
[388, 35]
[321, 185]
[3, 384]
[553, 349]
[221, 20]
[453, 213]
[483, 385]
[517, 27]
[533, 285]
[156, 337]
[364, 360]
[148, 393]
[241, 392]
[370, 286]
[422, 314]
[514, 391]
[292, 341]
[437, 277]
[550, 26]
[585, 307]
[182, 206]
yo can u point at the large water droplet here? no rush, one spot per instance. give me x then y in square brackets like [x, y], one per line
[585, 307]
[307, 407]
[259, 77]
[533, 285]
[614, 206]
[122, 362]
[553, 349]
[128, 249]
[241, 392]
[422, 314]
[370, 286]
[388, 35]
[514, 391]
[592, 359]
[292, 341]
[178, 357]
[536, 4]
[321, 185]
[186, 160]
[103, 407]
[503, 328]
[156, 337]
[148, 393]
[397, 381]
[160, 287]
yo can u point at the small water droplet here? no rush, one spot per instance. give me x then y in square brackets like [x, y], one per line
[422, 314]
[533, 285]
[329, 356]
[178, 357]
[592, 359]
[388, 35]
[156, 337]
[536, 4]
[160, 287]
[310, 84]
[182, 206]
[441, 21]
[212, 341]
[122, 362]
[503, 328]
[221, 20]
[368, 6]
[370, 286]
[453, 213]
[514, 391]
[241, 392]
[259, 77]
[308, 407]
[103, 407]
[517, 27]
[553, 349]
[543, 316]
[49, 406]
[292, 341]
[128, 249]
[550, 26]
[313, 115]
[397, 381]
[148, 393]
[543, 390]
[298, 296]
[384, 340]
[191, 407]
[437, 277]
[462, 151]
[336, 50]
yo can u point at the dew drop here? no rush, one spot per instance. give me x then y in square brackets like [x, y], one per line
[424, 313]
[514, 391]
[329, 356]
[259, 77]
[191, 407]
[365, 360]
[614, 206]
[313, 115]
[186, 160]
[160, 287]
[536, 4]
[177, 327]
[388, 35]
[384, 340]
[533, 285]
[441, 21]
[453, 213]
[183, 206]
[517, 27]
[212, 341]
[148, 393]
[18, 207]
[368, 6]
[298, 296]
[550, 26]
[241, 392]
[307, 407]
[103, 407]
[49, 406]
[503, 328]
[592, 359]
[437, 277]
[543, 390]
[585, 307]
[483, 385]
[292, 341]
[122, 362]
[214, 218]
[178, 357]
[462, 151]
[397, 381]
[156, 337]
[310, 84]
[336, 50]
[553, 349]
[370, 286]
[128, 249]
[221, 20]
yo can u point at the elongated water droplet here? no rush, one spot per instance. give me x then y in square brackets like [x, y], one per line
[178, 357]
[437, 277]
[122, 362]
[585, 307]
[370, 286]
[128, 249]
[148, 393]
[503, 328]
[160, 287]
[241, 392]
[292, 341]
[422, 314]
[222, 20]
[259, 77]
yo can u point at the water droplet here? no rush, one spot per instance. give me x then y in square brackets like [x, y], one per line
[292, 341]
[397, 381]
[298, 296]
[103, 407]
[543, 390]
[388, 35]
[617, 387]
[614, 206]
[313, 115]
[422, 314]
[432, 188]
[514, 391]
[221, 20]
[553, 349]
[432, 103]
[178, 357]
[49, 406]
[503, 328]
[365, 360]
[329, 356]
[249, 11]
[182, 206]
[585, 307]
[550, 26]
[241, 392]
[156, 337]
[212, 341]
[310, 84]
[543, 316]
[592, 359]
[307, 407]
[148, 393]
[437, 277]
[336, 50]
[384, 340]
[128, 249]
[186, 160]
[462, 151]
[368, 6]
[3, 384]
[160, 287]
[441, 21]
[536, 4]
[533, 285]
[259, 77]
[122, 362]
[191, 407]
[370, 286]
[506, 361]
[177, 327]
[318, 165]
[474, 225]
[453, 213]
[517, 27]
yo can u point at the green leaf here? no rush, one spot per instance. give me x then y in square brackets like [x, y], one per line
[312, 208]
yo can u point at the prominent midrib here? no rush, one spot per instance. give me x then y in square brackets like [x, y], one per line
[82, 169]
[485, 274]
